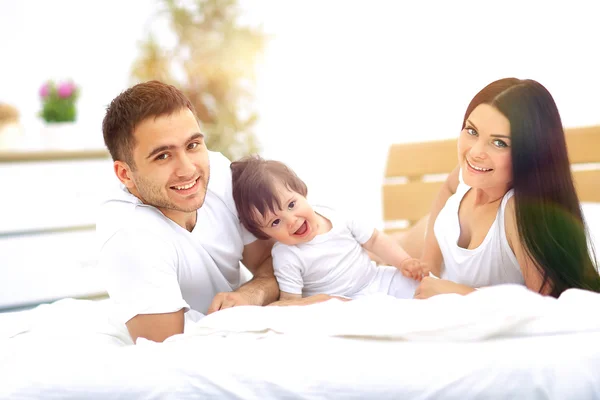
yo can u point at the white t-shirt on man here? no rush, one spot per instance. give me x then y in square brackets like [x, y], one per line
[155, 266]
[333, 263]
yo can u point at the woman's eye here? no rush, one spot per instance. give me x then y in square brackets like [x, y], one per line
[275, 223]
[291, 205]
[471, 131]
[500, 143]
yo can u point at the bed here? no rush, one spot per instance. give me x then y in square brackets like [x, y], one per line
[499, 342]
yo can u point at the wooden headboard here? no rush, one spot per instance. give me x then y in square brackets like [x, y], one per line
[415, 172]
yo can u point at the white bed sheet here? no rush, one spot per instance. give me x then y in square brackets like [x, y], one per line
[526, 347]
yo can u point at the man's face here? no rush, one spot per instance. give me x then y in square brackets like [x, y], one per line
[172, 167]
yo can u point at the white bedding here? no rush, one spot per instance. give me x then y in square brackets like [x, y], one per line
[501, 342]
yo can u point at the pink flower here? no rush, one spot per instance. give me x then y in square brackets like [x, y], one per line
[65, 89]
[44, 90]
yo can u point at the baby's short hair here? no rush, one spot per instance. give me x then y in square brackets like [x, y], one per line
[254, 180]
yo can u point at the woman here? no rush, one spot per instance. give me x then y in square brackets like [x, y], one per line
[509, 212]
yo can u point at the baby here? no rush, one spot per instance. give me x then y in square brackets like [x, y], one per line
[317, 249]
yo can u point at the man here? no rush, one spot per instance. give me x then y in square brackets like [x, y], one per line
[170, 238]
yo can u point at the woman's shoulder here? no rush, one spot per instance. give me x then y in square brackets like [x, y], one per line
[454, 179]
[510, 219]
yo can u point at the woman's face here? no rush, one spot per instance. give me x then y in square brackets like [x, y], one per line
[484, 149]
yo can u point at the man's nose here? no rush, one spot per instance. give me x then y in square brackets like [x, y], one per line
[185, 166]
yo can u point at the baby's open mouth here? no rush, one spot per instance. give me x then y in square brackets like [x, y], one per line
[302, 230]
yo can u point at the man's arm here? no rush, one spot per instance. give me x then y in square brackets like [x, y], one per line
[263, 286]
[262, 289]
[156, 327]
[141, 280]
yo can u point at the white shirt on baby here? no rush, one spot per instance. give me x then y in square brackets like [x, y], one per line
[153, 266]
[333, 263]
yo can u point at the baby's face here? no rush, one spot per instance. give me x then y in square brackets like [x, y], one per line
[295, 223]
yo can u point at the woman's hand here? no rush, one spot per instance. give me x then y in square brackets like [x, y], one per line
[430, 287]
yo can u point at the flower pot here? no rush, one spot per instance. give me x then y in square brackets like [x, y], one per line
[60, 136]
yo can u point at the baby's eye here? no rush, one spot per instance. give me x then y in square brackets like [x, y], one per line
[291, 205]
[275, 223]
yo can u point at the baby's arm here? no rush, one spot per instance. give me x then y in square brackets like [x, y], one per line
[386, 248]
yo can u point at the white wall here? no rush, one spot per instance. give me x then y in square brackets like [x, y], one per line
[92, 42]
[340, 80]
[343, 79]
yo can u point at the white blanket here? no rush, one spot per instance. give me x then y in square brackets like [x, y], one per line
[501, 311]
[500, 342]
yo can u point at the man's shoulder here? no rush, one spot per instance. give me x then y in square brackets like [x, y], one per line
[220, 171]
[131, 220]
[220, 185]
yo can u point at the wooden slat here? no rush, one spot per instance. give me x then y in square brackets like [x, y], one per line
[413, 200]
[583, 144]
[52, 155]
[416, 159]
[438, 157]
[395, 232]
[410, 201]
[587, 184]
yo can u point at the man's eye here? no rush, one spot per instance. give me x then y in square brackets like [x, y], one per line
[291, 205]
[162, 156]
[193, 145]
[275, 223]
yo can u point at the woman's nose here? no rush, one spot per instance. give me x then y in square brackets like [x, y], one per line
[478, 150]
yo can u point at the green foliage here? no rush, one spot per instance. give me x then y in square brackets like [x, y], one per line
[59, 102]
[212, 63]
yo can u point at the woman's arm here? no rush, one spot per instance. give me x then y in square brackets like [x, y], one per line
[531, 273]
[432, 255]
[289, 299]
[430, 287]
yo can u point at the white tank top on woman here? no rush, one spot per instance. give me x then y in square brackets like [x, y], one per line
[492, 263]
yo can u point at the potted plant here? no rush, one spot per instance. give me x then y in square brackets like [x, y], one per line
[59, 102]
[59, 112]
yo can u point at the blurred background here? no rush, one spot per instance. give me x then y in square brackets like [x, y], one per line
[325, 86]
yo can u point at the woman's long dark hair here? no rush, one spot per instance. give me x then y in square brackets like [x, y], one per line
[548, 212]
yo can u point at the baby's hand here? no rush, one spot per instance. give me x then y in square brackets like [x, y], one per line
[414, 268]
